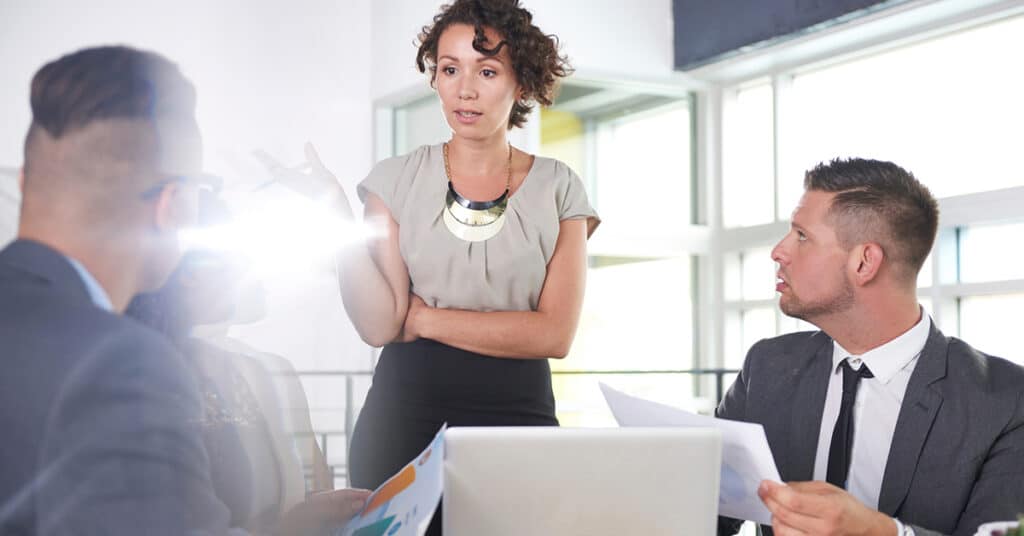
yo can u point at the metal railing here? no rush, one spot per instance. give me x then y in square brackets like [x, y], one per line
[349, 377]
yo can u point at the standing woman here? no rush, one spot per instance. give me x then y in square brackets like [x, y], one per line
[481, 275]
[479, 278]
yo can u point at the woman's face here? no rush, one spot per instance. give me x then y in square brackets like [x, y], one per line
[477, 91]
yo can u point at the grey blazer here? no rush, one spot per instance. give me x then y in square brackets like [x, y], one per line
[957, 455]
[98, 414]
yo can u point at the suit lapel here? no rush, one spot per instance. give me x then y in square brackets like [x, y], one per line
[810, 385]
[44, 265]
[920, 406]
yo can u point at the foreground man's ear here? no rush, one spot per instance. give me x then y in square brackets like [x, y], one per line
[867, 259]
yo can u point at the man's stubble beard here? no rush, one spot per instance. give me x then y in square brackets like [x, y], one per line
[841, 302]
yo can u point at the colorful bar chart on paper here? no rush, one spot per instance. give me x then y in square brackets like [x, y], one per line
[404, 505]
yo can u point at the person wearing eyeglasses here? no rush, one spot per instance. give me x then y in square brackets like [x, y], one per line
[99, 413]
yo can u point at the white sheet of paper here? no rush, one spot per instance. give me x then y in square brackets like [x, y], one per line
[746, 456]
[404, 505]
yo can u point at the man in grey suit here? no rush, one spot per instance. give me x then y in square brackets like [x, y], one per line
[98, 413]
[879, 424]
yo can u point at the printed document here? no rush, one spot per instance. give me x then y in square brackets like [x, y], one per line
[746, 457]
[404, 505]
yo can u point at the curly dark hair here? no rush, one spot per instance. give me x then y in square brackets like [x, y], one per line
[535, 57]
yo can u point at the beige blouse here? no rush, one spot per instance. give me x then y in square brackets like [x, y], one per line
[504, 273]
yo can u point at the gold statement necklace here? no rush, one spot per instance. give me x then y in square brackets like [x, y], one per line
[474, 221]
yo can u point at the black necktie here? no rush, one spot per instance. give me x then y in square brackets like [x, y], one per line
[842, 434]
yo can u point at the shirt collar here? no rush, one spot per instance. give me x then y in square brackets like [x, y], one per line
[888, 359]
[96, 293]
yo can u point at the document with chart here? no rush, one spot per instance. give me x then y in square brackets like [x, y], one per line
[404, 504]
[746, 457]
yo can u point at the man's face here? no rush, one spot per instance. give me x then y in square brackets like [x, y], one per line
[812, 265]
[179, 158]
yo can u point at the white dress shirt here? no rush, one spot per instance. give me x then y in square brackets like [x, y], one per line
[875, 410]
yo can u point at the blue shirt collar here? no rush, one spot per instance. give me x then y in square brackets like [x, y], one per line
[96, 293]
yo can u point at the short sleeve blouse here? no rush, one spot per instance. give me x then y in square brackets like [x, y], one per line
[504, 273]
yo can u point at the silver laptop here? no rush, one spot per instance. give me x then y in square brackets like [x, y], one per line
[586, 481]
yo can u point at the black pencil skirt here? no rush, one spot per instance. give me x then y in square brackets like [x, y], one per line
[421, 385]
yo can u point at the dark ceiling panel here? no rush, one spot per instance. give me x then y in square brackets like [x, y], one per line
[710, 30]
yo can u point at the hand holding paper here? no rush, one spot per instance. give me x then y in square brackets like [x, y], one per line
[404, 505]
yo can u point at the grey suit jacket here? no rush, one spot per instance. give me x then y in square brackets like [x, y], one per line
[957, 455]
[98, 414]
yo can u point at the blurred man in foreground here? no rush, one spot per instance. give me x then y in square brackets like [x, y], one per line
[99, 414]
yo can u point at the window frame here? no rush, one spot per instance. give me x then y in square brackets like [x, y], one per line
[903, 27]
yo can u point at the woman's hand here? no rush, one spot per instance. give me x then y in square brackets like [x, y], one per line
[412, 328]
[311, 179]
[322, 511]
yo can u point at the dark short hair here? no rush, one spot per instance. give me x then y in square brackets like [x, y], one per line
[106, 83]
[881, 202]
[535, 58]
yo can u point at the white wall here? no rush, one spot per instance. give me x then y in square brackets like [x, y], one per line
[269, 75]
[619, 37]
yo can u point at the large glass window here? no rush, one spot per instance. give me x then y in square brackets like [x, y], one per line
[991, 252]
[749, 283]
[752, 311]
[748, 169]
[989, 323]
[633, 152]
[643, 173]
[948, 109]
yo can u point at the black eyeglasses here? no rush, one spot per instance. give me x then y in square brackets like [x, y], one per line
[204, 181]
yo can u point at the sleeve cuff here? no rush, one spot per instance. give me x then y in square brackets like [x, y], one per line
[902, 529]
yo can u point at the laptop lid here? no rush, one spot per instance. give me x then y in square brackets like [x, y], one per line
[588, 481]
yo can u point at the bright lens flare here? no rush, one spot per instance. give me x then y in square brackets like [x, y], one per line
[282, 235]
